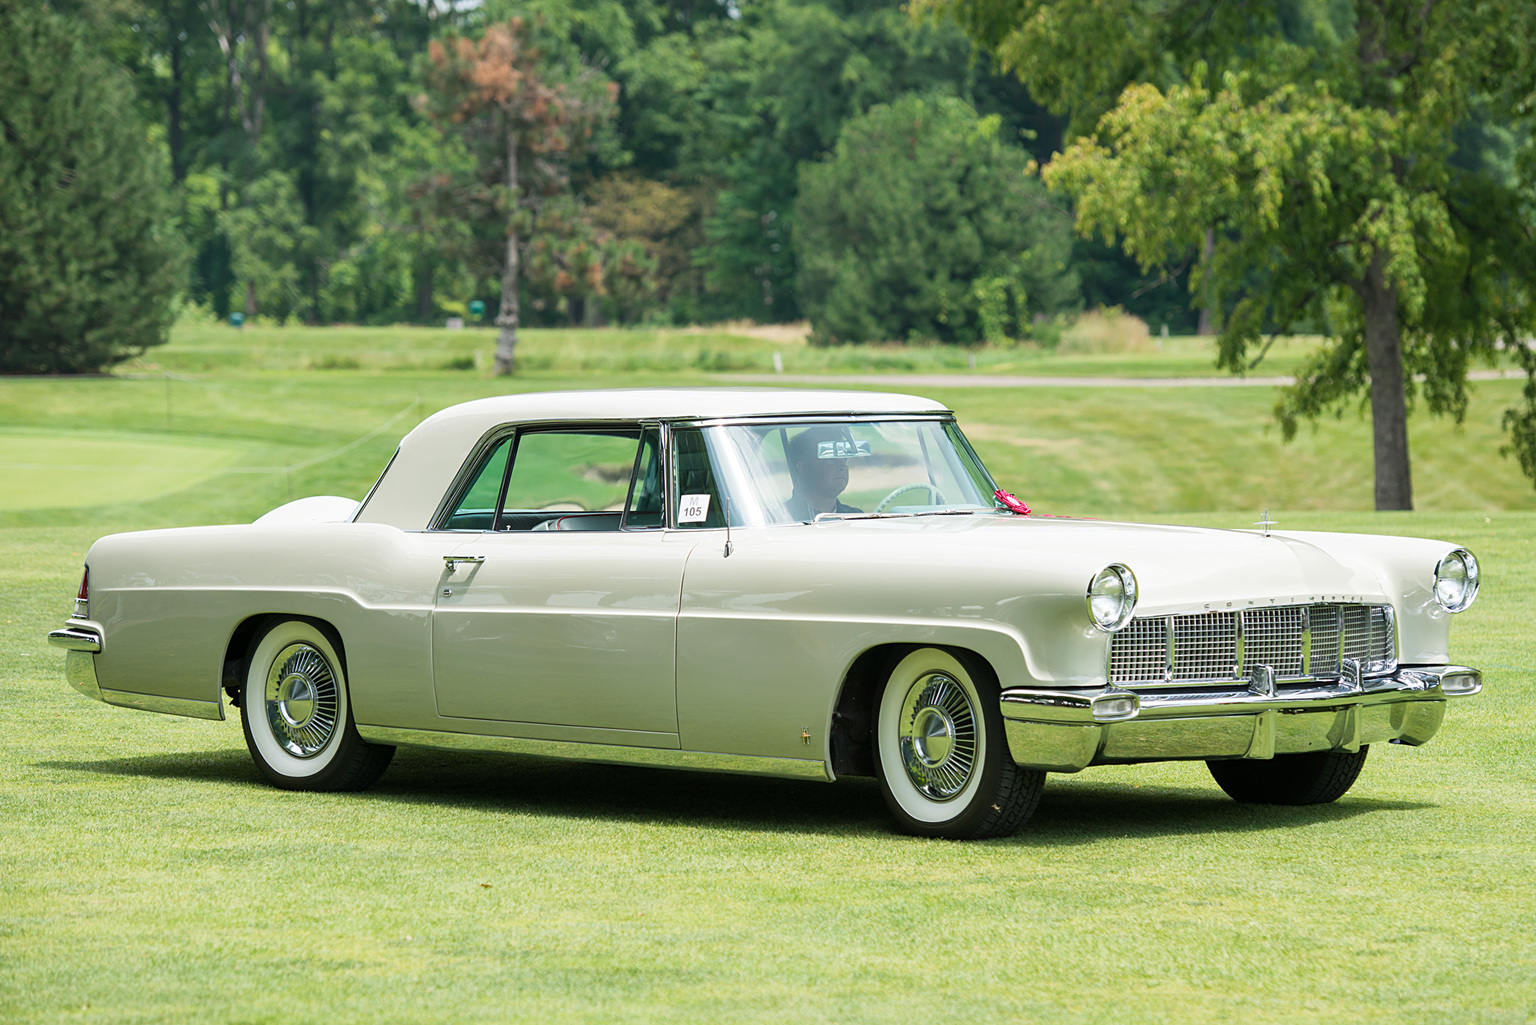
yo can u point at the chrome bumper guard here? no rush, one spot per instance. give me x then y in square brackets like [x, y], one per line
[1064, 731]
[71, 639]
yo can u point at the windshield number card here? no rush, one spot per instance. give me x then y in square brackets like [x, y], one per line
[694, 509]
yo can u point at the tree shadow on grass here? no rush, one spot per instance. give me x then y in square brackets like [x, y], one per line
[1084, 812]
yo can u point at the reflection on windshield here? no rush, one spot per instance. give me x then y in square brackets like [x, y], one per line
[793, 472]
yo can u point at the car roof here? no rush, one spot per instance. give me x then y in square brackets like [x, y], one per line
[430, 456]
[680, 403]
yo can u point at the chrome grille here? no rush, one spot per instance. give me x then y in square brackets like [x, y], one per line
[1143, 657]
[1325, 639]
[1272, 637]
[1299, 642]
[1204, 646]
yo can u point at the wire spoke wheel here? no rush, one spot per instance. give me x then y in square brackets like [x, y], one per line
[297, 714]
[938, 736]
[301, 700]
[942, 757]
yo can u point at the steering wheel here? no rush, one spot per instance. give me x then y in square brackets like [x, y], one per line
[935, 496]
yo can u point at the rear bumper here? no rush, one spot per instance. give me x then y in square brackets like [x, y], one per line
[1064, 731]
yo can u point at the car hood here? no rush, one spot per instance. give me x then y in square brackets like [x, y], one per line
[1177, 568]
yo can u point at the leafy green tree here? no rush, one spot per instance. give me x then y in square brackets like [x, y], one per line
[926, 224]
[523, 126]
[1325, 149]
[89, 259]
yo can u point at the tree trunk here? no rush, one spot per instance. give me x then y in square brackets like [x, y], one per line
[1207, 315]
[506, 316]
[1389, 407]
[425, 306]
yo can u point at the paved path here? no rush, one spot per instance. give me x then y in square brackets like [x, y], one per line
[1020, 381]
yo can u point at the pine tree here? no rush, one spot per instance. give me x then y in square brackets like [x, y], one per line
[89, 260]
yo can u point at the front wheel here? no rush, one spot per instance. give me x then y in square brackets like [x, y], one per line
[1316, 777]
[297, 716]
[943, 761]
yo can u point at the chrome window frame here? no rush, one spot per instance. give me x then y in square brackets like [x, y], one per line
[469, 470]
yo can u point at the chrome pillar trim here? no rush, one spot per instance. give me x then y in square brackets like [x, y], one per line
[1262, 681]
[1263, 743]
[170, 706]
[706, 761]
[74, 638]
[80, 673]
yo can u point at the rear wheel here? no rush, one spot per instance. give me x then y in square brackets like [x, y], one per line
[297, 716]
[943, 761]
[1316, 777]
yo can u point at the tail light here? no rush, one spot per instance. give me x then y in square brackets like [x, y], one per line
[83, 599]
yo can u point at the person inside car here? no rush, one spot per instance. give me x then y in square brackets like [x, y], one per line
[819, 476]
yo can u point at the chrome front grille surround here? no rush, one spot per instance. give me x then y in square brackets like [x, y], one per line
[1297, 642]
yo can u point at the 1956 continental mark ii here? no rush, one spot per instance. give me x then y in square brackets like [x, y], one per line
[809, 584]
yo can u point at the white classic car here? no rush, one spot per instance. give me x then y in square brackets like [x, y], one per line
[810, 584]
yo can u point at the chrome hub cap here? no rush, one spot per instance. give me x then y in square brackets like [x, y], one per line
[301, 697]
[937, 736]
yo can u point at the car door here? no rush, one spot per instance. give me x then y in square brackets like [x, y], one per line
[562, 612]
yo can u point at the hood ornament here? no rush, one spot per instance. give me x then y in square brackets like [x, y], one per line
[1265, 523]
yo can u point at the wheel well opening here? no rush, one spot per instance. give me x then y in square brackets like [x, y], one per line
[853, 718]
[243, 641]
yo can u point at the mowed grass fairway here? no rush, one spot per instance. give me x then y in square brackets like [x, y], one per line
[147, 875]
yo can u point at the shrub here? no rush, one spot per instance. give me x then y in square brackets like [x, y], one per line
[924, 224]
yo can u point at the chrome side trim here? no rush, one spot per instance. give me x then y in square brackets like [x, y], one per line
[76, 639]
[170, 706]
[80, 672]
[706, 761]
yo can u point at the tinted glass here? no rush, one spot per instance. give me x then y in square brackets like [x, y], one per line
[572, 471]
[477, 508]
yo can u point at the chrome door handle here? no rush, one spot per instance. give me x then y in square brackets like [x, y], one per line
[454, 560]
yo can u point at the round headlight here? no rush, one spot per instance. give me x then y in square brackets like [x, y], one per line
[1456, 581]
[1112, 597]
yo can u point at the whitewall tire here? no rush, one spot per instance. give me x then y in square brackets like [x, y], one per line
[940, 751]
[298, 717]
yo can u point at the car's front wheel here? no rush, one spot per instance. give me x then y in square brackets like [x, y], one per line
[943, 761]
[1316, 777]
[298, 717]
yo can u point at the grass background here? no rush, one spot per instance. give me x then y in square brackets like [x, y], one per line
[147, 875]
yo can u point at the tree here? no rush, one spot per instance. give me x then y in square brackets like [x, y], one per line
[1330, 151]
[89, 260]
[524, 128]
[925, 224]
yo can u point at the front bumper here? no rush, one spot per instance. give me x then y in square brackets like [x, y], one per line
[1064, 731]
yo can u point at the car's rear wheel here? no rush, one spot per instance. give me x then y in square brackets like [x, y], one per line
[298, 716]
[1316, 777]
[943, 761]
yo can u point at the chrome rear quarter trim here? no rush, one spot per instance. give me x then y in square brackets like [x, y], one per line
[170, 706]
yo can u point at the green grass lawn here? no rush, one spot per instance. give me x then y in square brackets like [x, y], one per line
[147, 875]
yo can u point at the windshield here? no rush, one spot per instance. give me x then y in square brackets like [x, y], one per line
[792, 472]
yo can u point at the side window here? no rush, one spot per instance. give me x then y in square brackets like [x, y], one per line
[477, 509]
[570, 480]
[644, 508]
[695, 494]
